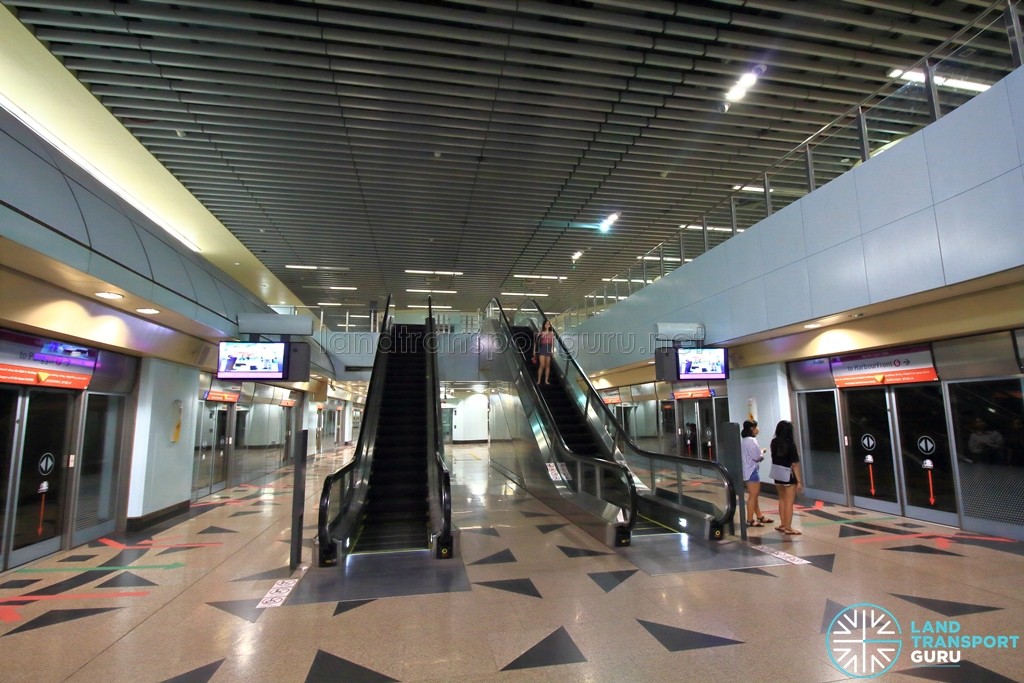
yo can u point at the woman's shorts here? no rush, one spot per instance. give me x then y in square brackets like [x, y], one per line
[755, 476]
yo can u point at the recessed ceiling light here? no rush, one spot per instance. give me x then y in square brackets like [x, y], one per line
[347, 289]
[434, 272]
[432, 291]
[147, 311]
[109, 295]
[542, 277]
[425, 306]
[327, 303]
[301, 267]
[812, 326]
[523, 294]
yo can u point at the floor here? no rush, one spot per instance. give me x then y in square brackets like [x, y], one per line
[209, 597]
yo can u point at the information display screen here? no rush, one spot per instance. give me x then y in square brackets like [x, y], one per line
[252, 360]
[702, 363]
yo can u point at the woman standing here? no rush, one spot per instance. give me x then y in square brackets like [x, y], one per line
[542, 350]
[753, 454]
[784, 455]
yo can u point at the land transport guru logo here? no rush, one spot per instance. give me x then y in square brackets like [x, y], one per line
[865, 641]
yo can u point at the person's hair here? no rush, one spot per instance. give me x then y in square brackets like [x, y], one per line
[783, 443]
[748, 428]
[547, 323]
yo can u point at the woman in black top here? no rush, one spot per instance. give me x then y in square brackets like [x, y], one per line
[784, 454]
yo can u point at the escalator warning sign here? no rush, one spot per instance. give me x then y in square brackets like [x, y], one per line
[553, 472]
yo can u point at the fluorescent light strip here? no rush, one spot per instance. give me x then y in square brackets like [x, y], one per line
[434, 272]
[601, 296]
[301, 267]
[347, 289]
[432, 291]
[522, 294]
[941, 81]
[425, 306]
[659, 258]
[542, 277]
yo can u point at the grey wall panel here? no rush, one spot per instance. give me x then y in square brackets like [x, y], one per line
[788, 295]
[838, 278]
[167, 267]
[882, 201]
[782, 237]
[170, 300]
[119, 276]
[30, 184]
[748, 307]
[233, 301]
[216, 321]
[21, 134]
[1015, 91]
[207, 294]
[27, 232]
[982, 231]
[903, 257]
[743, 256]
[833, 205]
[111, 233]
[980, 131]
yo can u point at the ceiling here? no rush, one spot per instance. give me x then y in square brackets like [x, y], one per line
[490, 137]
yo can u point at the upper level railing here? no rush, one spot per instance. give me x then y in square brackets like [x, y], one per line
[915, 95]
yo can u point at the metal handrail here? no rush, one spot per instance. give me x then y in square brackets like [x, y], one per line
[593, 398]
[441, 482]
[344, 490]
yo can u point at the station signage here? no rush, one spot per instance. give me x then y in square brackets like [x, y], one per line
[891, 366]
[25, 359]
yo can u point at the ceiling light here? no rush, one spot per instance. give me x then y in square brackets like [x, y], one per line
[812, 326]
[359, 316]
[147, 311]
[603, 296]
[434, 272]
[109, 295]
[659, 258]
[522, 294]
[941, 81]
[432, 291]
[347, 289]
[326, 303]
[622, 279]
[425, 306]
[576, 255]
[606, 224]
[749, 188]
[301, 267]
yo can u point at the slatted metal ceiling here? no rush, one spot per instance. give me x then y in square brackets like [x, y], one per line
[374, 137]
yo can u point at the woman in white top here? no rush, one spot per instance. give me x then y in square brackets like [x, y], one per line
[752, 457]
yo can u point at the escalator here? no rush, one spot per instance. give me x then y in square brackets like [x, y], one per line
[396, 515]
[395, 494]
[569, 430]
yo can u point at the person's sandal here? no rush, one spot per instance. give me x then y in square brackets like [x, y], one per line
[765, 520]
[755, 522]
[792, 532]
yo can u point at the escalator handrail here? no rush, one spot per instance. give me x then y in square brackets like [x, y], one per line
[595, 398]
[363, 454]
[624, 471]
[443, 483]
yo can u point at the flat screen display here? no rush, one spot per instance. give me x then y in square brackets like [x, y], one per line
[702, 363]
[252, 360]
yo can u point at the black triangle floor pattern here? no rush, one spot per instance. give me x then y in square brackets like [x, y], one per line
[200, 675]
[497, 558]
[609, 581]
[244, 609]
[557, 648]
[676, 639]
[947, 608]
[328, 668]
[59, 616]
[519, 586]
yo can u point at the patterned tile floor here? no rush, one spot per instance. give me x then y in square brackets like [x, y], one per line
[532, 598]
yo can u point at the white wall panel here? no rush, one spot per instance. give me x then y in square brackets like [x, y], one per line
[838, 278]
[743, 254]
[971, 145]
[882, 201]
[903, 257]
[982, 231]
[28, 233]
[716, 314]
[206, 291]
[782, 237]
[830, 214]
[788, 295]
[126, 279]
[111, 233]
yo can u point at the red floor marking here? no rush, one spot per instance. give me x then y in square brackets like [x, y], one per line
[9, 612]
[150, 545]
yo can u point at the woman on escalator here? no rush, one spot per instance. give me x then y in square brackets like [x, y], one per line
[542, 349]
